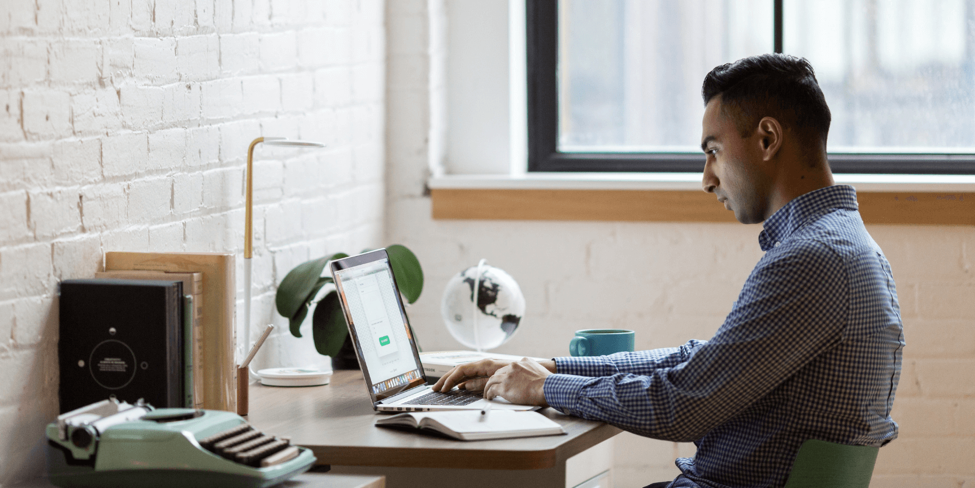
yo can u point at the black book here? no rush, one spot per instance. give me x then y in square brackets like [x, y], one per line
[121, 339]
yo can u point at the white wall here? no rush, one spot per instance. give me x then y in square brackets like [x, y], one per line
[124, 125]
[673, 282]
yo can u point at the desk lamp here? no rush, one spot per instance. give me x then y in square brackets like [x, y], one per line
[248, 222]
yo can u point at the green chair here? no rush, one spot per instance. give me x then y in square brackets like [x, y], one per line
[826, 464]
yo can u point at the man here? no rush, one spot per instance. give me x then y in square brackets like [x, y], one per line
[811, 348]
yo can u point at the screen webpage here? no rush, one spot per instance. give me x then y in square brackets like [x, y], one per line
[379, 325]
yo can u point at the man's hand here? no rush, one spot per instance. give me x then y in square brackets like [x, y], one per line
[470, 376]
[520, 382]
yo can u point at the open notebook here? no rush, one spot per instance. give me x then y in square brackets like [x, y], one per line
[472, 425]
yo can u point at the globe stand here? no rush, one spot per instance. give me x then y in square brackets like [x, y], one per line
[477, 296]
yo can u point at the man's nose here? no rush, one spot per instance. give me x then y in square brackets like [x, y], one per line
[708, 181]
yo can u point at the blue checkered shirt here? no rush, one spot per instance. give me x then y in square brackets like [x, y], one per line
[810, 350]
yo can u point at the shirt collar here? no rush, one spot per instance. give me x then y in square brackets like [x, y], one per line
[800, 210]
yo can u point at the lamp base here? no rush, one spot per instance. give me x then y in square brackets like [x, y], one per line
[294, 377]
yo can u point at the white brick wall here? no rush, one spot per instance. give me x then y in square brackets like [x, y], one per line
[124, 125]
[669, 282]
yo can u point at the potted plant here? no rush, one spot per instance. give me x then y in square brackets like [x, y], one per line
[302, 286]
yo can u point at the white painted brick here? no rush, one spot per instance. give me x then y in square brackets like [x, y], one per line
[96, 112]
[49, 14]
[127, 239]
[217, 232]
[223, 15]
[261, 94]
[339, 47]
[198, 57]
[25, 271]
[279, 126]
[243, 15]
[927, 455]
[946, 378]
[24, 62]
[333, 87]
[283, 222]
[369, 162]
[268, 180]
[202, 146]
[314, 13]
[204, 14]
[25, 164]
[236, 137]
[261, 13]
[312, 47]
[181, 102]
[368, 83]
[370, 203]
[187, 193]
[297, 92]
[47, 114]
[164, 17]
[55, 212]
[77, 161]
[120, 12]
[222, 98]
[223, 188]
[142, 16]
[10, 128]
[166, 148]
[141, 105]
[37, 318]
[125, 154]
[13, 217]
[7, 319]
[338, 167]
[166, 238]
[367, 44]
[303, 175]
[240, 53]
[155, 59]
[946, 300]
[76, 61]
[279, 51]
[317, 216]
[955, 339]
[102, 206]
[150, 200]
[338, 12]
[78, 257]
[91, 17]
[119, 56]
[16, 16]
[367, 124]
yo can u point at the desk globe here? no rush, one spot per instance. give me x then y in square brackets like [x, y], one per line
[491, 319]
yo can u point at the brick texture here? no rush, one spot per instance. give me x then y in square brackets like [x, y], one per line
[124, 126]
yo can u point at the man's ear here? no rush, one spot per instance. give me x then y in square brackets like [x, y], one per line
[770, 137]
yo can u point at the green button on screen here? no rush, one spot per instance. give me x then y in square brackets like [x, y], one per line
[384, 340]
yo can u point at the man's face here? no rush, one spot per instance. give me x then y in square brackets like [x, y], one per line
[734, 170]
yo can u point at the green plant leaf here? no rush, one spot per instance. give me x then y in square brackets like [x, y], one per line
[407, 270]
[328, 326]
[299, 283]
[295, 320]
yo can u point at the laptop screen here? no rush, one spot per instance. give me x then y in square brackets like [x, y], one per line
[378, 323]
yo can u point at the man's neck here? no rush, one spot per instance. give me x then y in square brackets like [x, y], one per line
[798, 177]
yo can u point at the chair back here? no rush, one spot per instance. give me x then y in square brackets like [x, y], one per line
[821, 463]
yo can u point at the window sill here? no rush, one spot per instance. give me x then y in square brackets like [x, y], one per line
[677, 197]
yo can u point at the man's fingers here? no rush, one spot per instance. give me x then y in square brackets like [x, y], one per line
[478, 369]
[474, 384]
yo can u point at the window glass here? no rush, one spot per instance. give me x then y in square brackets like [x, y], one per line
[897, 74]
[630, 71]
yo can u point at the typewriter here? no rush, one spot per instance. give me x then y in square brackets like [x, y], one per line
[112, 443]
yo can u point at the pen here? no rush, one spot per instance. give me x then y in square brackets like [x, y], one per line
[485, 411]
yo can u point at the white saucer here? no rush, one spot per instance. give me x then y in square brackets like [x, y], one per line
[294, 376]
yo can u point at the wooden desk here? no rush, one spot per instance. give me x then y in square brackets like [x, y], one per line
[336, 422]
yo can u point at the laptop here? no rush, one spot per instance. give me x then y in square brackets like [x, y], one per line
[384, 344]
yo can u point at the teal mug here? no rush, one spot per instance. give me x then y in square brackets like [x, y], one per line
[600, 342]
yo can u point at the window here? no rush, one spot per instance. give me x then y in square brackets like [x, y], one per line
[614, 85]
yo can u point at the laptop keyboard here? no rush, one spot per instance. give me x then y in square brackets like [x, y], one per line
[452, 398]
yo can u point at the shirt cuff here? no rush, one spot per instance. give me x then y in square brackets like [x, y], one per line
[584, 365]
[563, 390]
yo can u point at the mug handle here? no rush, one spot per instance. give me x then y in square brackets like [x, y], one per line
[579, 346]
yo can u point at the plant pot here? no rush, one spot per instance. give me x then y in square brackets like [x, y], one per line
[345, 359]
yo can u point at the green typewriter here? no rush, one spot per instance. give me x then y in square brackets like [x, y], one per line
[112, 443]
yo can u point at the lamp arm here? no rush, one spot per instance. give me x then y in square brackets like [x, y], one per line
[249, 197]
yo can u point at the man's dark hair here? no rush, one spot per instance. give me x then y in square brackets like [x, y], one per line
[771, 85]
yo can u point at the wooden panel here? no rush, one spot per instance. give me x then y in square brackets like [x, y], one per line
[677, 206]
[336, 422]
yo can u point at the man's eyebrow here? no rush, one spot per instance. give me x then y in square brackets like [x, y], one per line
[704, 144]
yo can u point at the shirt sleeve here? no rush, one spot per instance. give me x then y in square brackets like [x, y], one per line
[792, 309]
[639, 362]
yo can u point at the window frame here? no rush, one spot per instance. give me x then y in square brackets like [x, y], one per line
[543, 155]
